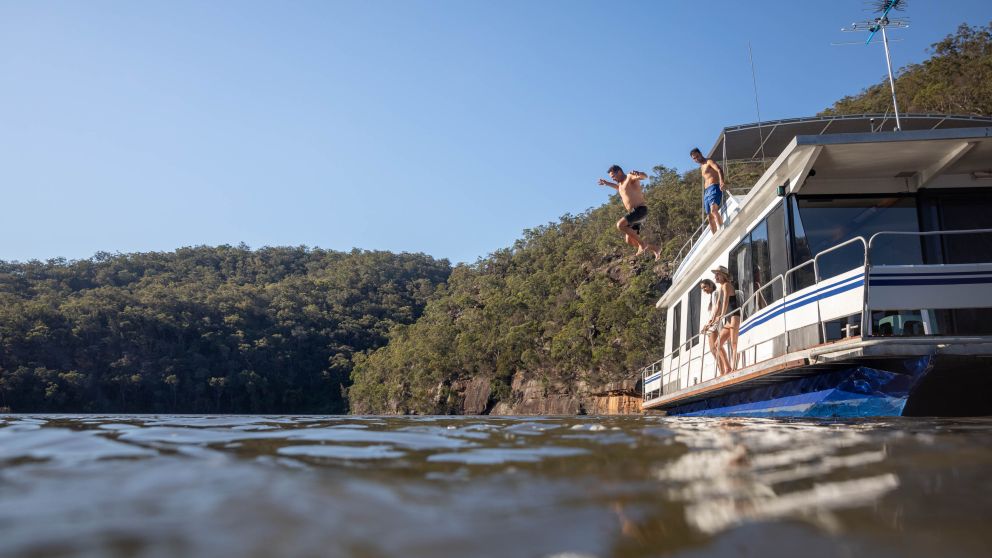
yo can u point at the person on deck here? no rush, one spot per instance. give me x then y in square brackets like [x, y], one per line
[629, 187]
[712, 327]
[713, 191]
[728, 305]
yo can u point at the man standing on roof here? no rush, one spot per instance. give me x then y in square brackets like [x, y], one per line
[713, 193]
[629, 187]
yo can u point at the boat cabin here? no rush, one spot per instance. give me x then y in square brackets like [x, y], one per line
[855, 245]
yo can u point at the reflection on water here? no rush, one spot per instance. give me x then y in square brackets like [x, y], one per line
[454, 486]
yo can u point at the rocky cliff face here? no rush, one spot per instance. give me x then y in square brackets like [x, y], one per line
[531, 396]
[476, 396]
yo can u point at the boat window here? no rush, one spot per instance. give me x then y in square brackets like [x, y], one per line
[758, 259]
[802, 277]
[695, 302]
[676, 328]
[741, 274]
[842, 328]
[966, 321]
[960, 210]
[761, 268]
[915, 323]
[777, 251]
[830, 221]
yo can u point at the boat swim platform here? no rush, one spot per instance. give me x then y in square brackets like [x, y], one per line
[843, 353]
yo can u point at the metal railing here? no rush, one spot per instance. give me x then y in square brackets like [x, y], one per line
[784, 280]
[688, 245]
[658, 365]
[697, 235]
[871, 240]
[866, 322]
[748, 303]
[689, 343]
[816, 258]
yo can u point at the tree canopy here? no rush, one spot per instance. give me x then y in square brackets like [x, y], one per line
[224, 329]
[567, 303]
[289, 330]
[956, 79]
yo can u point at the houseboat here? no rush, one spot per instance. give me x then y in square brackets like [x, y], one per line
[862, 263]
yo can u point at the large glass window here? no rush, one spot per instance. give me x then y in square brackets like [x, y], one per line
[761, 268]
[676, 328]
[778, 254]
[827, 222]
[695, 301]
[741, 275]
[757, 260]
[802, 277]
[959, 210]
[914, 323]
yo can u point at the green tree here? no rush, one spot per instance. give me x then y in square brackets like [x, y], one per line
[956, 79]
[201, 329]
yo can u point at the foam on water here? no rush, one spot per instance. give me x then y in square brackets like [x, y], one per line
[490, 456]
[62, 445]
[341, 452]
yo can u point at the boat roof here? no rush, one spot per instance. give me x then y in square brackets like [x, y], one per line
[765, 140]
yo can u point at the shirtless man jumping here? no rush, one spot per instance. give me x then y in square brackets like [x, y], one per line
[629, 187]
[713, 194]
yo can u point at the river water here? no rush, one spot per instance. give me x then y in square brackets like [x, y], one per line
[142, 485]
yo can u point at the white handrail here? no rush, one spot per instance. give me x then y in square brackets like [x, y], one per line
[816, 258]
[701, 229]
[866, 322]
[926, 233]
[787, 290]
[688, 343]
[771, 282]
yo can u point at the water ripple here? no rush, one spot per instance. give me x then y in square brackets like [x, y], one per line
[474, 486]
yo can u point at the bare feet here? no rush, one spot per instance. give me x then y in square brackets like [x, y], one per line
[651, 248]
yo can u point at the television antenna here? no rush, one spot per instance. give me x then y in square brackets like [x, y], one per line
[881, 23]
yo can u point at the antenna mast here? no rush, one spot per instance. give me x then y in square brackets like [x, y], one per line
[880, 23]
[757, 107]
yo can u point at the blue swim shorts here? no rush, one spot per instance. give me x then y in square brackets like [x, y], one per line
[712, 195]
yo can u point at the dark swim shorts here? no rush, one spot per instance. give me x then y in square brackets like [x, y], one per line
[636, 217]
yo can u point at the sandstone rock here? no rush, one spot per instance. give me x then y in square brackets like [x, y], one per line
[613, 405]
[624, 387]
[532, 395]
[476, 396]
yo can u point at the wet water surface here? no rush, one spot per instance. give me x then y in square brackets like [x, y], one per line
[455, 486]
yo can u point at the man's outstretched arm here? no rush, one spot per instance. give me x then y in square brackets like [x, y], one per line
[638, 175]
[604, 182]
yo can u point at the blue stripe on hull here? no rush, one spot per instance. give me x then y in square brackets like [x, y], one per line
[856, 391]
[808, 298]
[876, 279]
[914, 282]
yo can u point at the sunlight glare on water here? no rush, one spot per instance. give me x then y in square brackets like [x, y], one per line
[482, 486]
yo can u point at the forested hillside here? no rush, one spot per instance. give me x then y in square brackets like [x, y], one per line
[956, 79]
[567, 312]
[567, 308]
[223, 329]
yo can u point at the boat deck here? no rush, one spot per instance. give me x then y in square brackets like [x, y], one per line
[816, 359]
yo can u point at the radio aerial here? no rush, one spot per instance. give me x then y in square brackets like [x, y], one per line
[881, 23]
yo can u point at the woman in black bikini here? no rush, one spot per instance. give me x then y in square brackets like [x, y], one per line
[731, 323]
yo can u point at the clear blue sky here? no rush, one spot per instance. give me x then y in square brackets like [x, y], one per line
[444, 126]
